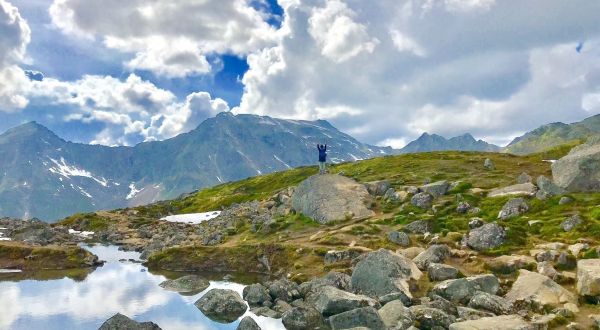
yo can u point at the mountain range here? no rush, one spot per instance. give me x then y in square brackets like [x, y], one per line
[44, 176]
[433, 142]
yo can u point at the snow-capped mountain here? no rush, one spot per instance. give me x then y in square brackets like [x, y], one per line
[44, 176]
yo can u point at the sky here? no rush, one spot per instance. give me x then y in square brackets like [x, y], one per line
[119, 72]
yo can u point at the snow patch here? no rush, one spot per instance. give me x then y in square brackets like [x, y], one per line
[62, 168]
[133, 191]
[282, 162]
[84, 234]
[192, 218]
[354, 157]
[551, 161]
[219, 178]
[6, 271]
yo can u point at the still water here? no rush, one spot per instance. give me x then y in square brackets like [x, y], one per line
[85, 301]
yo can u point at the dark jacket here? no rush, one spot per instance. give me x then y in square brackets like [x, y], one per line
[322, 153]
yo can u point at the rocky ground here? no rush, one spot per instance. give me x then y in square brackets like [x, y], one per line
[431, 241]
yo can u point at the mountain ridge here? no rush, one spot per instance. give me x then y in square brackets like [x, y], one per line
[433, 142]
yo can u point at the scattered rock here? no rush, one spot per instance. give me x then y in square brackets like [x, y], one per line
[334, 279]
[579, 171]
[396, 316]
[399, 238]
[588, 279]
[488, 236]
[489, 165]
[538, 292]
[463, 207]
[463, 289]
[524, 178]
[301, 318]
[490, 303]
[524, 189]
[513, 208]
[571, 222]
[248, 323]
[378, 188]
[256, 294]
[120, 321]
[222, 305]
[327, 198]
[566, 261]
[547, 188]
[505, 322]
[545, 268]
[434, 254]
[419, 227]
[331, 301]
[422, 200]
[383, 272]
[366, 317]
[565, 200]
[575, 249]
[284, 289]
[431, 318]
[436, 189]
[441, 272]
[186, 284]
[476, 223]
[510, 264]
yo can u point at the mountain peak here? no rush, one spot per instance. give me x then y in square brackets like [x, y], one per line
[29, 130]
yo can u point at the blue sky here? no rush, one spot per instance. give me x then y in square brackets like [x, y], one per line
[120, 73]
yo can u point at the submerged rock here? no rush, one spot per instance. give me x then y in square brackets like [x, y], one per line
[121, 322]
[186, 284]
[222, 305]
[327, 198]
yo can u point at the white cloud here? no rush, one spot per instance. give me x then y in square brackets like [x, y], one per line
[169, 39]
[492, 68]
[14, 37]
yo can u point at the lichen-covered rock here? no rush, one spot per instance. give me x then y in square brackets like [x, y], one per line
[383, 272]
[399, 238]
[186, 284]
[488, 236]
[571, 222]
[327, 198]
[524, 178]
[331, 301]
[538, 292]
[434, 254]
[491, 303]
[466, 313]
[441, 272]
[436, 189]
[422, 200]
[256, 294]
[505, 322]
[547, 188]
[334, 279]
[419, 227]
[463, 207]
[366, 317]
[488, 164]
[463, 289]
[588, 278]
[333, 256]
[396, 316]
[222, 305]
[120, 322]
[579, 171]
[284, 289]
[431, 318]
[301, 318]
[513, 208]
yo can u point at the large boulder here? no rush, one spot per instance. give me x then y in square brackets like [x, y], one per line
[463, 289]
[327, 198]
[396, 316]
[330, 301]
[588, 278]
[378, 188]
[256, 294]
[523, 189]
[488, 236]
[222, 305]
[186, 284]
[383, 272]
[538, 292]
[366, 317]
[441, 272]
[513, 208]
[507, 322]
[548, 188]
[334, 279]
[579, 171]
[302, 317]
[122, 322]
[436, 189]
[434, 254]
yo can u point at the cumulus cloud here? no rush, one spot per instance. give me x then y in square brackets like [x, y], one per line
[388, 70]
[167, 38]
[131, 110]
[14, 37]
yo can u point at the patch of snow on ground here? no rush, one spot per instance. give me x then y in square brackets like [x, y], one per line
[218, 178]
[84, 234]
[192, 218]
[281, 161]
[62, 168]
[549, 160]
[6, 271]
[354, 157]
[133, 191]
[83, 192]
[2, 238]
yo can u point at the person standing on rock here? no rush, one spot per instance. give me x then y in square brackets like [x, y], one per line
[322, 158]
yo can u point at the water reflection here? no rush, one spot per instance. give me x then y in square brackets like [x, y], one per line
[123, 287]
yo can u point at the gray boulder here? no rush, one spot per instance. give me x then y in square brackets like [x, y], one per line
[122, 322]
[396, 316]
[466, 313]
[399, 238]
[330, 301]
[248, 323]
[422, 200]
[588, 279]
[441, 272]
[571, 222]
[565, 200]
[463, 289]
[419, 227]
[547, 188]
[488, 164]
[513, 208]
[378, 188]
[256, 294]
[383, 272]
[334, 279]
[579, 171]
[302, 317]
[524, 189]
[284, 289]
[436, 189]
[431, 318]
[222, 305]
[524, 178]
[488, 236]
[434, 254]
[333, 256]
[327, 198]
[491, 303]
[366, 317]
[538, 292]
[186, 284]
[505, 322]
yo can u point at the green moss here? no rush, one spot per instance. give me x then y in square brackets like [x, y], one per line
[87, 221]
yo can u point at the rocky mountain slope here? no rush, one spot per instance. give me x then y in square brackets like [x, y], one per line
[44, 176]
[555, 134]
[433, 142]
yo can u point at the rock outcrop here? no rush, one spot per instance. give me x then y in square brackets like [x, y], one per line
[588, 279]
[579, 171]
[327, 198]
[538, 292]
